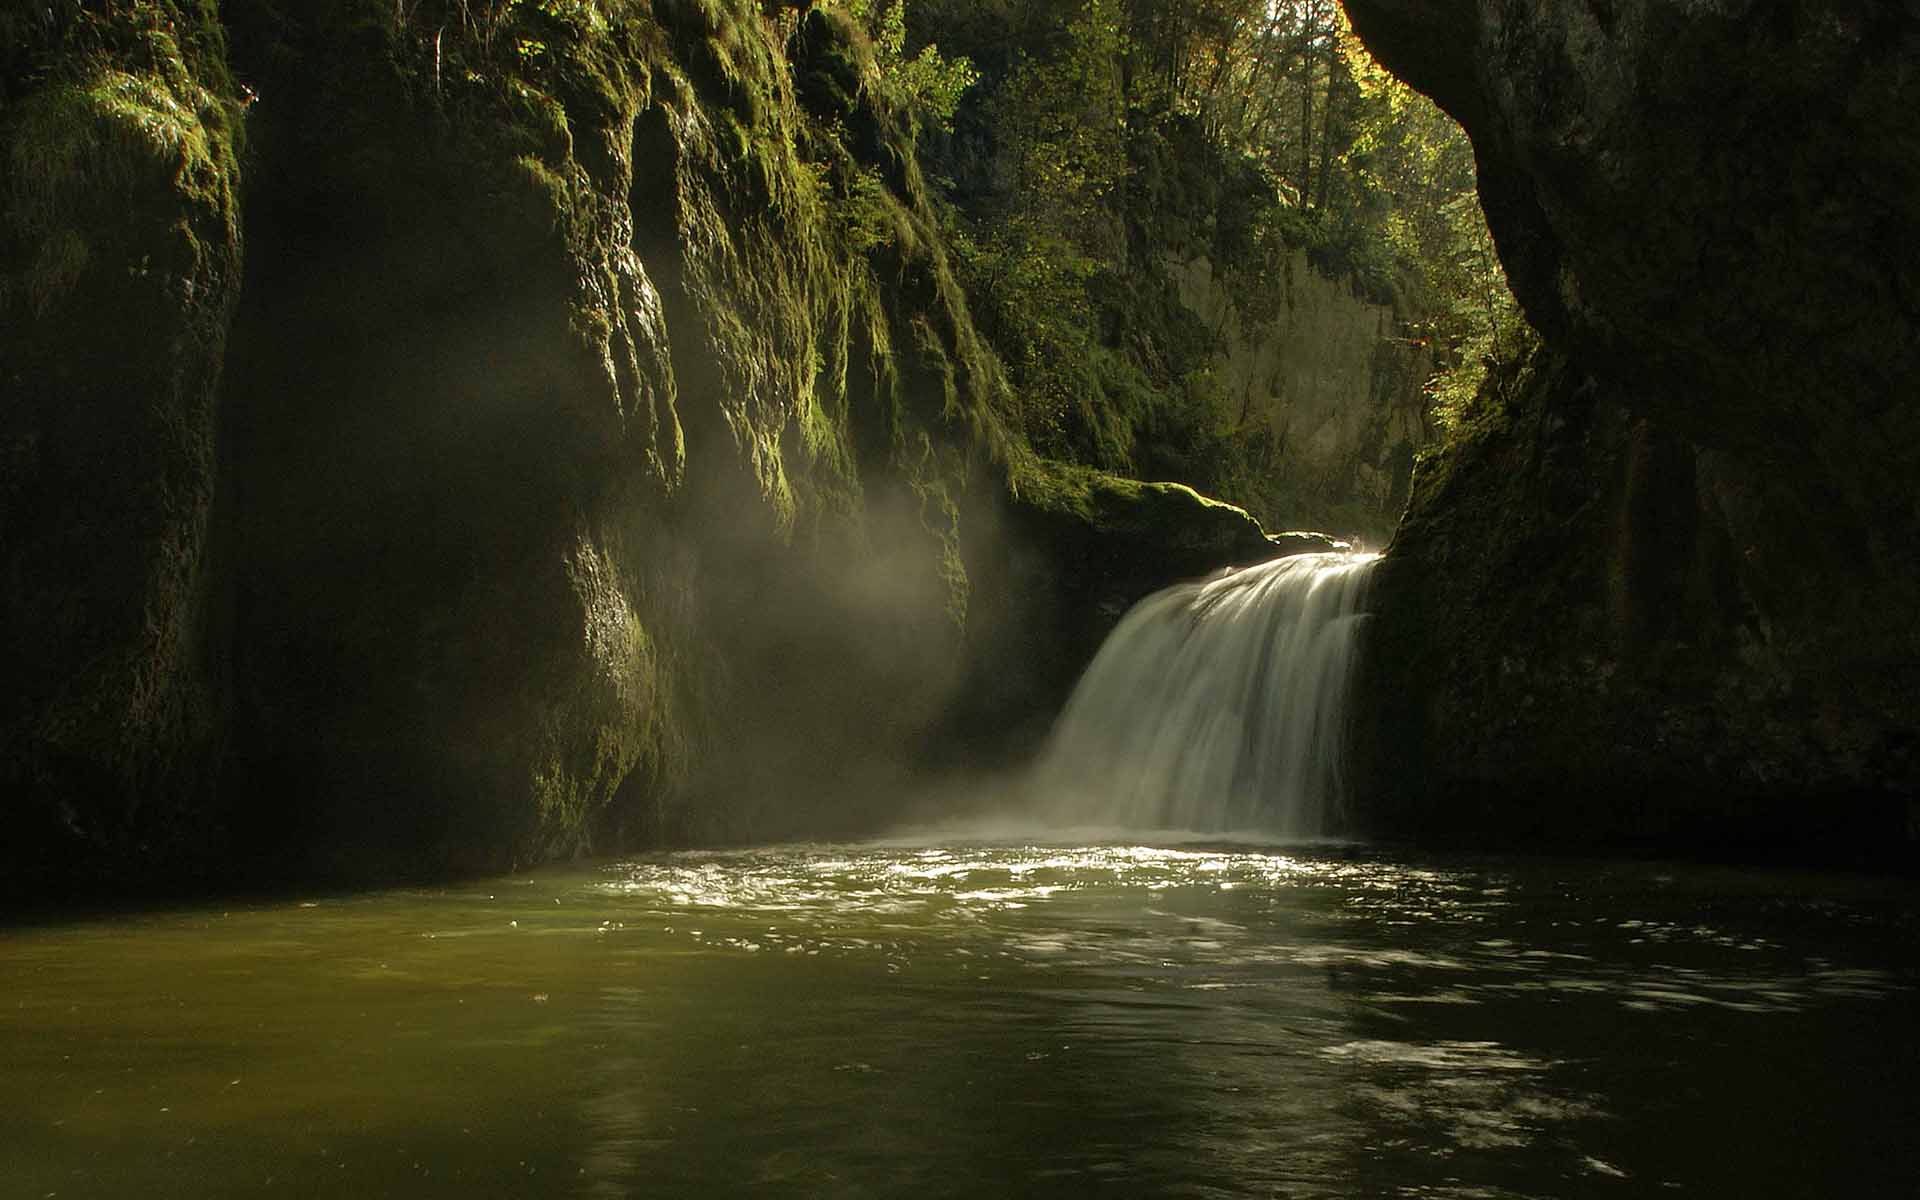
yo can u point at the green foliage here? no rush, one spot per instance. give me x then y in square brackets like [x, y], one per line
[1029, 288]
[926, 84]
[1105, 135]
[1417, 169]
[1063, 120]
[1039, 253]
[1460, 391]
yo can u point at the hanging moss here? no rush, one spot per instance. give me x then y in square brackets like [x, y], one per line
[609, 441]
[767, 372]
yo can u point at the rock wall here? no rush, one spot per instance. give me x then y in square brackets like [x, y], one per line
[1671, 583]
[119, 271]
[1334, 381]
[624, 405]
[577, 461]
[592, 448]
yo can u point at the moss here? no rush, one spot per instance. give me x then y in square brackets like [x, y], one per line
[620, 717]
[1106, 501]
[749, 379]
[119, 266]
[79, 148]
[798, 237]
[648, 428]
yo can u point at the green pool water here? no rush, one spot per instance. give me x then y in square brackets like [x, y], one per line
[979, 1021]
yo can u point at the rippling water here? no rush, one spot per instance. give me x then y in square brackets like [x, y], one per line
[984, 1021]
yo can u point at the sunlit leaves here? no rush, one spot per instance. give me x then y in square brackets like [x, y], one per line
[928, 84]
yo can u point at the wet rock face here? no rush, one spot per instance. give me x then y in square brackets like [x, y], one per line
[562, 469]
[1710, 211]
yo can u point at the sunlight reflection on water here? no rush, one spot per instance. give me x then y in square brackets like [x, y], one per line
[822, 889]
[1212, 1017]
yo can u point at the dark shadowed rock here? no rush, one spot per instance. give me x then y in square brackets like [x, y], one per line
[119, 270]
[1671, 583]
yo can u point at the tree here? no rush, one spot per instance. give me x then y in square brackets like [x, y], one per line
[1104, 135]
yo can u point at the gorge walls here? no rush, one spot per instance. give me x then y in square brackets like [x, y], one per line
[1667, 587]
[576, 460]
[444, 437]
[447, 436]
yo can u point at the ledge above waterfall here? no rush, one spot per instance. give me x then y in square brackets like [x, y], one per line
[1146, 533]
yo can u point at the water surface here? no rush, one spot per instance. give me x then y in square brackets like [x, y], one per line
[983, 1021]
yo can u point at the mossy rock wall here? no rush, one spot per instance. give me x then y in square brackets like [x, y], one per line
[603, 410]
[578, 461]
[119, 270]
[1579, 639]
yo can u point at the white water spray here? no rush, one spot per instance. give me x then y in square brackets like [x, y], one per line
[1216, 706]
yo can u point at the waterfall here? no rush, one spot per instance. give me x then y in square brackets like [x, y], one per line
[1216, 705]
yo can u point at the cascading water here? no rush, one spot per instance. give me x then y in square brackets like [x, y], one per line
[1216, 706]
